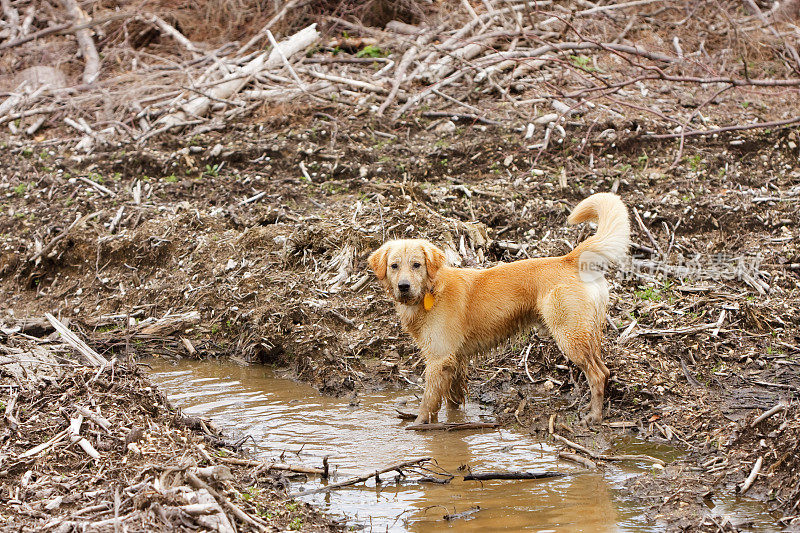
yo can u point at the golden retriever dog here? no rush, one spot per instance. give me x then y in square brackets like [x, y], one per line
[452, 313]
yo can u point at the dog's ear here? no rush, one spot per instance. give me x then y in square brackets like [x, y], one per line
[377, 261]
[434, 259]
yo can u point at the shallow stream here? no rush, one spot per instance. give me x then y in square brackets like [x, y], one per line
[363, 434]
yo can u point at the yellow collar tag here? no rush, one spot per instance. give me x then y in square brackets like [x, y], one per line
[427, 302]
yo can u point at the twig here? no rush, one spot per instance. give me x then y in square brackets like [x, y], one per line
[605, 457]
[647, 232]
[452, 426]
[362, 478]
[265, 465]
[49, 246]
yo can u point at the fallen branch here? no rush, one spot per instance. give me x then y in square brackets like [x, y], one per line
[452, 426]
[575, 458]
[91, 69]
[362, 478]
[232, 84]
[606, 457]
[265, 465]
[782, 406]
[94, 358]
[486, 476]
[744, 487]
[738, 127]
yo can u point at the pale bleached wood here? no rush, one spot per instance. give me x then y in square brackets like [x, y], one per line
[91, 69]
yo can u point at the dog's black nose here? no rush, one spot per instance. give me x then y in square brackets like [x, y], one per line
[404, 286]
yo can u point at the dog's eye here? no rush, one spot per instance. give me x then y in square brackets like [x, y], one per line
[417, 265]
[394, 266]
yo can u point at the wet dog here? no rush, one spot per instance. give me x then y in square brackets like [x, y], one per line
[453, 313]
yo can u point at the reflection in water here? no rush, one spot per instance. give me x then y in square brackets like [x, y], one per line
[294, 420]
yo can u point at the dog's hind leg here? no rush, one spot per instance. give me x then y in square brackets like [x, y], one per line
[583, 349]
[579, 339]
[456, 393]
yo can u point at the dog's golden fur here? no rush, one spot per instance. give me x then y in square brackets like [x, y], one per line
[469, 310]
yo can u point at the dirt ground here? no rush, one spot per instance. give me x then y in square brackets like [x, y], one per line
[274, 262]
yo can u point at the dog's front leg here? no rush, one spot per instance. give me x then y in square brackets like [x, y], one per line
[439, 374]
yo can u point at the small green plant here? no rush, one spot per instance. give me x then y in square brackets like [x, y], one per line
[696, 162]
[745, 104]
[648, 293]
[20, 189]
[296, 524]
[97, 178]
[172, 178]
[371, 51]
[211, 170]
[214, 329]
[291, 506]
[583, 62]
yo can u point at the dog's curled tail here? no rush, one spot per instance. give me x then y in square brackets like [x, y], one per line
[613, 236]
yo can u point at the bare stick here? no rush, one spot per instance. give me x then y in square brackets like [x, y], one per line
[362, 478]
[486, 476]
[198, 483]
[271, 466]
[782, 406]
[75, 437]
[738, 127]
[94, 358]
[49, 246]
[605, 457]
[91, 69]
[44, 446]
[744, 487]
[647, 232]
[452, 426]
[575, 458]
[285, 61]
[175, 34]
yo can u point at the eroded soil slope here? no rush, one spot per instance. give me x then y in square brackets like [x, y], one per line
[264, 230]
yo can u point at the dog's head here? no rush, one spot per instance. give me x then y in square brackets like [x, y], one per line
[407, 268]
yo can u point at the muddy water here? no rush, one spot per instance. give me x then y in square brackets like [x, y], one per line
[362, 434]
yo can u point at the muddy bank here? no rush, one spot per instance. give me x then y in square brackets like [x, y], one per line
[88, 449]
[703, 331]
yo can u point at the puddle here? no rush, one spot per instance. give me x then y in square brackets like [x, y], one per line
[294, 420]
